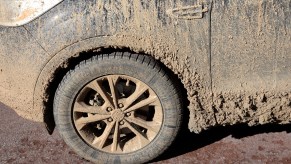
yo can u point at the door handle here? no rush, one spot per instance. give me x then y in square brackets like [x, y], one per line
[187, 12]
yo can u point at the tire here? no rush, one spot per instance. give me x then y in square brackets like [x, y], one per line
[118, 108]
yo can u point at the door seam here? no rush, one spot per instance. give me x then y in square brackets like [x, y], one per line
[210, 59]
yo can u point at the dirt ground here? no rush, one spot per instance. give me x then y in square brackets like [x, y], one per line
[23, 141]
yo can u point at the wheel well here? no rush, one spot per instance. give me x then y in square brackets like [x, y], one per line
[70, 64]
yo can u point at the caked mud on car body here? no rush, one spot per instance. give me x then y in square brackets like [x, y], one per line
[232, 59]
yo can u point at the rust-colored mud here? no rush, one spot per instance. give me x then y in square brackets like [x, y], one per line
[23, 141]
[237, 144]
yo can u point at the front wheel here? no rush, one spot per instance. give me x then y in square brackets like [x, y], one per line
[118, 108]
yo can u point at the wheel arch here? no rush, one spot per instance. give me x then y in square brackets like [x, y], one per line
[66, 59]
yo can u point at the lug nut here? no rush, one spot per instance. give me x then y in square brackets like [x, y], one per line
[121, 122]
[128, 114]
[110, 119]
[120, 105]
[109, 109]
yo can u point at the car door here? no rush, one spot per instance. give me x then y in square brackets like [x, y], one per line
[251, 45]
[251, 59]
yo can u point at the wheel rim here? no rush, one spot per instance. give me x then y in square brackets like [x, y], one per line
[117, 114]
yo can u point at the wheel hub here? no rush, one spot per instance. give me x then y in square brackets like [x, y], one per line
[117, 115]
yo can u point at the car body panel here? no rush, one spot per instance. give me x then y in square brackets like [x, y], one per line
[254, 41]
[200, 48]
[19, 12]
[21, 61]
[251, 60]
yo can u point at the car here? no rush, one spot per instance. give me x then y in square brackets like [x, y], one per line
[118, 78]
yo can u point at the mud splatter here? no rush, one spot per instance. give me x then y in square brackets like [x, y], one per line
[247, 85]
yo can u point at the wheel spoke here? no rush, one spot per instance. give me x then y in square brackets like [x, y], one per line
[149, 125]
[142, 103]
[142, 138]
[140, 89]
[112, 82]
[84, 108]
[81, 122]
[115, 138]
[100, 141]
[99, 89]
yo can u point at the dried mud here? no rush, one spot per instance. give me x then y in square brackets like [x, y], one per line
[143, 31]
[257, 109]
[221, 81]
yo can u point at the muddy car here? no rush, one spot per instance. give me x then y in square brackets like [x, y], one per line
[115, 77]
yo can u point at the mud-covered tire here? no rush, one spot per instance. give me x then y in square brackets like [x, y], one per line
[140, 67]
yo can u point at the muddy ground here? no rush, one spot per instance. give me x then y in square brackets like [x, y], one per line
[23, 141]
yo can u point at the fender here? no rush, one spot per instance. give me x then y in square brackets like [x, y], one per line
[19, 12]
[61, 61]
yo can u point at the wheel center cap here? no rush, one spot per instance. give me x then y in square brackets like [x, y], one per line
[117, 115]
